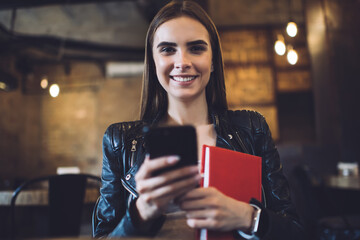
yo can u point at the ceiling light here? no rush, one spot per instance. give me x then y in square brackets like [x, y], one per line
[291, 29]
[3, 85]
[54, 90]
[280, 47]
[7, 81]
[292, 55]
[44, 83]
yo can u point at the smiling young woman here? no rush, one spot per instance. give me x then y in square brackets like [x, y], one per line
[183, 84]
[183, 59]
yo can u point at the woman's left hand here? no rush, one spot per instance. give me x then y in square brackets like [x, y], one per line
[209, 208]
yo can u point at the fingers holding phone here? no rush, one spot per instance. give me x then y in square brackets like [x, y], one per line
[157, 191]
[150, 167]
[169, 170]
[146, 172]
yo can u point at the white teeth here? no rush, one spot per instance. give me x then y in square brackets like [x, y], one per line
[183, 79]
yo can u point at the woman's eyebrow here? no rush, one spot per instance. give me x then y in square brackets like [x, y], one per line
[197, 42]
[171, 44]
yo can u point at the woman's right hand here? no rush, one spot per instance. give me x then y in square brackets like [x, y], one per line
[156, 192]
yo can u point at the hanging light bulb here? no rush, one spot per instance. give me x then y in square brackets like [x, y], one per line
[44, 82]
[3, 85]
[54, 90]
[292, 55]
[280, 47]
[291, 29]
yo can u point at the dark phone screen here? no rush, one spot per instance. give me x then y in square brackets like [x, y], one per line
[179, 140]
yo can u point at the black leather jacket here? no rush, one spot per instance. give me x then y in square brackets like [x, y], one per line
[246, 131]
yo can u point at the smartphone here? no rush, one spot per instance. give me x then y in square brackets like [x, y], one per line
[174, 140]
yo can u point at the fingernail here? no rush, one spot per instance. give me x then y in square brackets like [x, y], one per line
[173, 159]
[190, 222]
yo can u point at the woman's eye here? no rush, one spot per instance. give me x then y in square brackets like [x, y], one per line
[197, 49]
[167, 50]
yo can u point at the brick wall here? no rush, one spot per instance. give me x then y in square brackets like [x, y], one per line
[39, 133]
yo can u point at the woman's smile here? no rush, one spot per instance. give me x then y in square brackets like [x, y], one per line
[183, 79]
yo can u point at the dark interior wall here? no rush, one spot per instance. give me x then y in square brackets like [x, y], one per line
[344, 35]
[333, 40]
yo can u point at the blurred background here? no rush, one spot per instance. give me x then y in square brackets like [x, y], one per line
[68, 69]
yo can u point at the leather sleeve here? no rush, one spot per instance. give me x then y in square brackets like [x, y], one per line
[111, 208]
[280, 220]
[115, 215]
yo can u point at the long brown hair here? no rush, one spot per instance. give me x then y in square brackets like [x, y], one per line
[154, 101]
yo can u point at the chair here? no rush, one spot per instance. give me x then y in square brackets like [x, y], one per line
[65, 203]
[313, 208]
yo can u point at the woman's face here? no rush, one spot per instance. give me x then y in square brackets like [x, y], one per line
[183, 58]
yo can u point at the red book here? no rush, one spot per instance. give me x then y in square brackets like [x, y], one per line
[235, 174]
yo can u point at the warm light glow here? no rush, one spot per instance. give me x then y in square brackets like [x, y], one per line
[280, 47]
[44, 83]
[291, 29]
[54, 90]
[2, 85]
[292, 56]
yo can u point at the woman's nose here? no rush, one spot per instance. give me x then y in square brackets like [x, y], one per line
[182, 61]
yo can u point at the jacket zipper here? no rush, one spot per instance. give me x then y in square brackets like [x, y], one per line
[241, 142]
[133, 150]
[124, 185]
